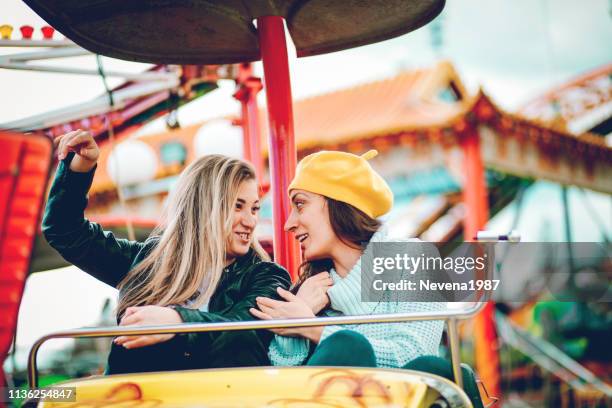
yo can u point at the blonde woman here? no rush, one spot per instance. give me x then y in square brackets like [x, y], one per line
[201, 264]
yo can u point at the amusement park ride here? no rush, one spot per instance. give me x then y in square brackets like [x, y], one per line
[211, 41]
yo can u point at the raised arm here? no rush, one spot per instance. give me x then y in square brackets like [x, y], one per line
[80, 242]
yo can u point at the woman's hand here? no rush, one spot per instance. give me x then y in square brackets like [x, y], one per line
[83, 145]
[292, 308]
[314, 291]
[147, 316]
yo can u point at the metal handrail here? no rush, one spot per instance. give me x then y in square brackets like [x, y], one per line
[450, 317]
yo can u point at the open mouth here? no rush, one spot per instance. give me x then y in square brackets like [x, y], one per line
[301, 238]
[244, 236]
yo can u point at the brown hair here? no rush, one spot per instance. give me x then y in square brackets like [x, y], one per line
[352, 226]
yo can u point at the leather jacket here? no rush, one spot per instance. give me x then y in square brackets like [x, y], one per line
[107, 258]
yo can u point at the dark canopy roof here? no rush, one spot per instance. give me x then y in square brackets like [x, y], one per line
[222, 31]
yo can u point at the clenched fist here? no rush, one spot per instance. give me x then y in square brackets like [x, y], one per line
[83, 145]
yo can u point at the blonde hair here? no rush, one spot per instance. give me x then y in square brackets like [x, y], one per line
[187, 262]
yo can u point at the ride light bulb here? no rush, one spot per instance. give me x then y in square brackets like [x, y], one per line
[26, 32]
[6, 31]
[47, 32]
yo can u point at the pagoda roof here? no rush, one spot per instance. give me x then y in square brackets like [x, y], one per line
[429, 103]
[411, 100]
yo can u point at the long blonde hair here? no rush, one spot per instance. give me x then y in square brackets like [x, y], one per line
[187, 262]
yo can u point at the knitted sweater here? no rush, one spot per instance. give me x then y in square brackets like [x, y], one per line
[394, 344]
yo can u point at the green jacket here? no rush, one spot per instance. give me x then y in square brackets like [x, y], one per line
[107, 258]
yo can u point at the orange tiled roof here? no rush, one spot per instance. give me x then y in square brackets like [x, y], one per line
[406, 101]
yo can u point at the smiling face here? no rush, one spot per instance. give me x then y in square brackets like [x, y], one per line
[309, 222]
[244, 220]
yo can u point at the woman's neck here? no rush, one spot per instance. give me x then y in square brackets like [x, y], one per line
[344, 258]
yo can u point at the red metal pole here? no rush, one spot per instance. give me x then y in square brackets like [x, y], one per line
[282, 153]
[252, 111]
[248, 87]
[476, 216]
[475, 189]
[246, 137]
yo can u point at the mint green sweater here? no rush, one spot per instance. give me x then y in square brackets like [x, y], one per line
[394, 344]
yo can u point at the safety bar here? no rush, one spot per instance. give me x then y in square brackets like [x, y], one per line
[450, 317]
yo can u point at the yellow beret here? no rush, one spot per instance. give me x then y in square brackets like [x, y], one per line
[345, 177]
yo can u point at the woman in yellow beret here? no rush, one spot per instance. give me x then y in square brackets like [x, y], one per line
[336, 200]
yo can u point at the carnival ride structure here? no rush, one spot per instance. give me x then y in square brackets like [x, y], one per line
[116, 110]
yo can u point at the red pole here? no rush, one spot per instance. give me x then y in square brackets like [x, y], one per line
[282, 153]
[476, 216]
[475, 189]
[248, 87]
[246, 137]
[254, 85]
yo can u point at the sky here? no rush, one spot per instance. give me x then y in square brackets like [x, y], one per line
[514, 50]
